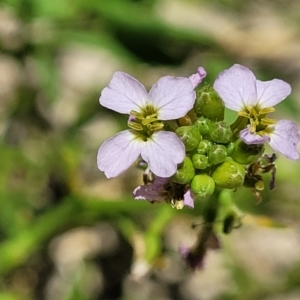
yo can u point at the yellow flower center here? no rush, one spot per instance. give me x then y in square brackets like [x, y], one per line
[257, 118]
[145, 122]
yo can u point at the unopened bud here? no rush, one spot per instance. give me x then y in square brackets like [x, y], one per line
[200, 161]
[209, 104]
[204, 146]
[185, 121]
[202, 185]
[185, 172]
[190, 136]
[220, 132]
[246, 154]
[203, 125]
[229, 175]
[217, 154]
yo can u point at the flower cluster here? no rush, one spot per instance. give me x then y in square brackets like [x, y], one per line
[178, 132]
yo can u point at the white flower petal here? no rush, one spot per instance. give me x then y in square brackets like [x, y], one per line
[151, 192]
[237, 87]
[163, 151]
[285, 138]
[173, 97]
[118, 153]
[270, 93]
[197, 78]
[189, 199]
[123, 94]
[251, 138]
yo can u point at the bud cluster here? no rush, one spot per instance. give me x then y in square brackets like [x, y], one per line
[212, 159]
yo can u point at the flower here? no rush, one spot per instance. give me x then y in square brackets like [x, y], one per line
[170, 98]
[163, 190]
[253, 100]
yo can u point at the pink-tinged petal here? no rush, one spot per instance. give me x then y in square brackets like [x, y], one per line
[188, 199]
[146, 192]
[237, 87]
[118, 153]
[163, 152]
[270, 93]
[196, 79]
[173, 97]
[285, 138]
[123, 94]
[151, 192]
[252, 138]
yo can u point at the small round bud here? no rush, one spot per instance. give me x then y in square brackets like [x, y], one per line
[190, 136]
[203, 125]
[229, 175]
[203, 185]
[204, 146]
[200, 161]
[185, 172]
[247, 154]
[185, 121]
[220, 132]
[209, 104]
[217, 154]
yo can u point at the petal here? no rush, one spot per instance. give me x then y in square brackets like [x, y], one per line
[285, 139]
[173, 97]
[151, 192]
[123, 94]
[270, 93]
[251, 138]
[146, 192]
[237, 87]
[163, 151]
[118, 153]
[196, 79]
[189, 199]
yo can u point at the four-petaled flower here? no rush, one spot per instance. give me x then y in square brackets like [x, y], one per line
[254, 99]
[170, 98]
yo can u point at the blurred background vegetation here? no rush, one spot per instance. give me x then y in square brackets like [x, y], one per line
[68, 233]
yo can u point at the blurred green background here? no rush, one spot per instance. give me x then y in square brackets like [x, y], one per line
[68, 233]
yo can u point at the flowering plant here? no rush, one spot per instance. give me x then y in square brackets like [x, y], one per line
[178, 133]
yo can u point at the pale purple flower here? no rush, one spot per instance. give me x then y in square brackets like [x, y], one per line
[239, 88]
[161, 190]
[253, 99]
[170, 98]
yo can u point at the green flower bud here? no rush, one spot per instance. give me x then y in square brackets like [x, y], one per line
[229, 175]
[247, 154]
[220, 132]
[217, 154]
[190, 136]
[203, 125]
[209, 104]
[204, 146]
[200, 161]
[203, 185]
[185, 172]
